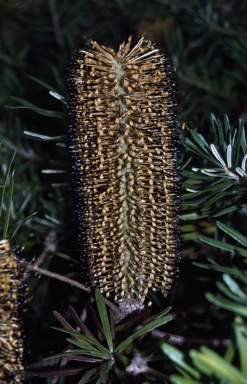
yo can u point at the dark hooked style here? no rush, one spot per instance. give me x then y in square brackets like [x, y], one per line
[124, 150]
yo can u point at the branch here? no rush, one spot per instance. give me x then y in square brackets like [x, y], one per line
[53, 275]
[182, 340]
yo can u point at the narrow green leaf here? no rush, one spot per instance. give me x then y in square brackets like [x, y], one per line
[240, 328]
[27, 105]
[104, 318]
[200, 141]
[216, 197]
[218, 131]
[233, 233]
[43, 83]
[87, 349]
[88, 376]
[237, 146]
[7, 173]
[221, 302]
[24, 102]
[222, 245]
[192, 201]
[122, 357]
[190, 145]
[230, 352]
[224, 289]
[40, 111]
[8, 207]
[104, 371]
[159, 315]
[243, 138]
[178, 357]
[164, 312]
[219, 186]
[21, 223]
[209, 362]
[147, 328]
[84, 344]
[226, 210]
[175, 379]
[242, 275]
[37, 136]
[226, 127]
[190, 216]
[120, 375]
[197, 175]
[76, 354]
[233, 286]
[87, 340]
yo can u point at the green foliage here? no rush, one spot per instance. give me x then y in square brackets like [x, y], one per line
[7, 196]
[226, 246]
[220, 186]
[108, 355]
[10, 212]
[206, 366]
[209, 190]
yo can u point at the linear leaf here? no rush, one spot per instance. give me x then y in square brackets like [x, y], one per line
[224, 289]
[221, 302]
[218, 132]
[210, 362]
[7, 173]
[21, 223]
[27, 105]
[37, 136]
[43, 83]
[93, 341]
[79, 323]
[223, 246]
[147, 328]
[230, 270]
[120, 375]
[230, 352]
[226, 210]
[104, 318]
[87, 340]
[104, 371]
[88, 376]
[87, 349]
[175, 379]
[76, 355]
[216, 197]
[237, 145]
[8, 206]
[233, 233]
[240, 328]
[234, 287]
[178, 358]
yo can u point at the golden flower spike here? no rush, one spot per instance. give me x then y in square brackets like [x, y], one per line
[124, 149]
[11, 342]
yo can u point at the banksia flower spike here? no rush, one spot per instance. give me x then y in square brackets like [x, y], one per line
[11, 342]
[123, 144]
